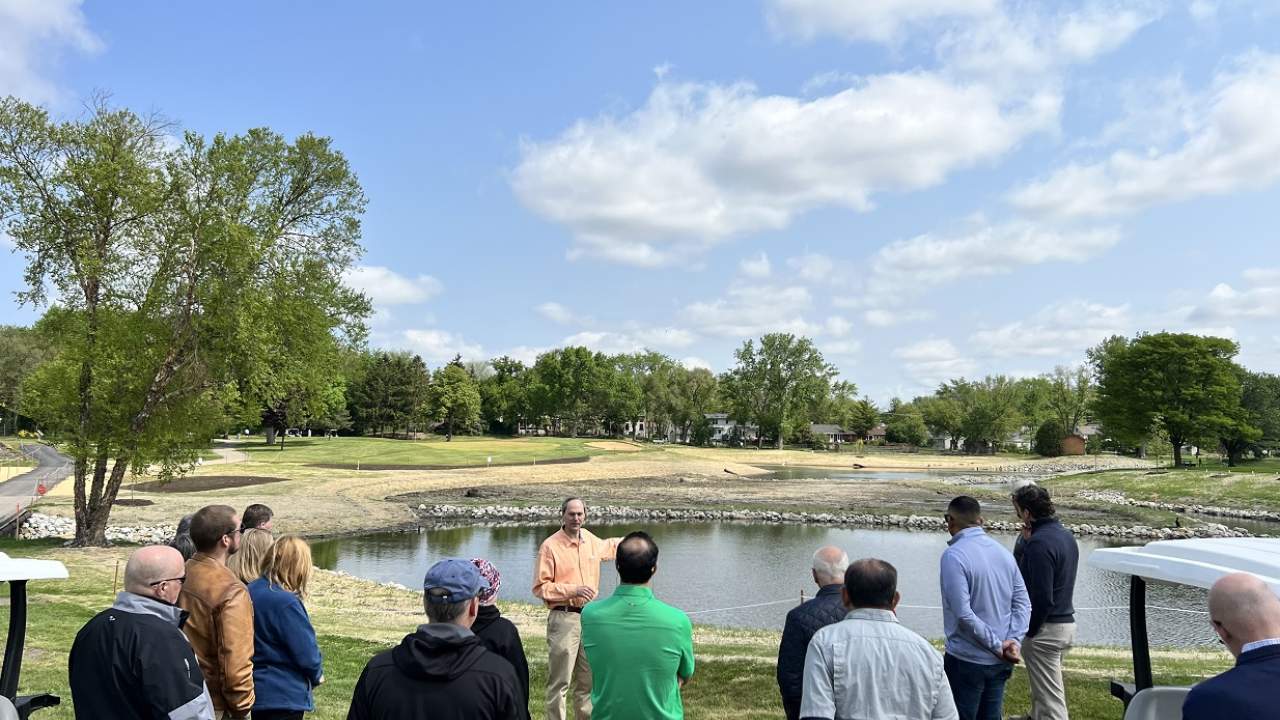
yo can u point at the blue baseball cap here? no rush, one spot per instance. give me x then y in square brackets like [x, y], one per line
[452, 581]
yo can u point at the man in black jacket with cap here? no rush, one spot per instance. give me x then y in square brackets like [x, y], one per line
[131, 661]
[442, 671]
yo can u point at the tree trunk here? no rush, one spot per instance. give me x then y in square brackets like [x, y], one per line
[271, 435]
[1177, 451]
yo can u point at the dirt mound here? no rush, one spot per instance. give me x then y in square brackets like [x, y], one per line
[201, 483]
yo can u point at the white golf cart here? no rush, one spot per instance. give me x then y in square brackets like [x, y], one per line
[16, 572]
[1197, 563]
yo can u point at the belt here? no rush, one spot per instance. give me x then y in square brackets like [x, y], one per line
[566, 608]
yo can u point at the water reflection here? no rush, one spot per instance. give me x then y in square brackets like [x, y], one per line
[707, 567]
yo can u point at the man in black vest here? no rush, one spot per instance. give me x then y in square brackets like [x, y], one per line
[131, 661]
[829, 564]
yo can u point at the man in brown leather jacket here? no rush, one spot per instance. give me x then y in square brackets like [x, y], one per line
[220, 626]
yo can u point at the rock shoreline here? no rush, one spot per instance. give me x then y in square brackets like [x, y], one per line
[508, 513]
[39, 526]
[1112, 497]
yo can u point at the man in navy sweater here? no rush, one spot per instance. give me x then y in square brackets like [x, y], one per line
[829, 564]
[1246, 615]
[1048, 564]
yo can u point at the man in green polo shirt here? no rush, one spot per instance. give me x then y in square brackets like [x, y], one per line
[640, 648]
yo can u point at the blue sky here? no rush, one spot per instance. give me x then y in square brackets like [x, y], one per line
[928, 188]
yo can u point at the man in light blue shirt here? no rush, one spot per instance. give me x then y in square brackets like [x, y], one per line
[985, 613]
[869, 667]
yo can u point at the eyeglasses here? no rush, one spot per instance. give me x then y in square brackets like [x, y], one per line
[178, 580]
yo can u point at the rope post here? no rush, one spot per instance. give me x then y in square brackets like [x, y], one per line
[115, 579]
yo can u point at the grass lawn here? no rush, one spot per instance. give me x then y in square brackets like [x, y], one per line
[1250, 485]
[355, 619]
[382, 451]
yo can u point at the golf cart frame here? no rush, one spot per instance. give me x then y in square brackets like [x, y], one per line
[1196, 563]
[17, 572]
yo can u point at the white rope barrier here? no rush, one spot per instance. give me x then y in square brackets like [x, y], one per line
[939, 607]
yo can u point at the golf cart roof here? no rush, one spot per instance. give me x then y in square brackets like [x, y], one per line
[24, 569]
[1198, 563]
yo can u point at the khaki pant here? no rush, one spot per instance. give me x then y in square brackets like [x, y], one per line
[1043, 655]
[567, 664]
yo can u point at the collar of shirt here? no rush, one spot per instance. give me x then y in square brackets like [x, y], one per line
[967, 532]
[873, 614]
[643, 592]
[829, 590]
[1259, 644]
[571, 540]
[1041, 522]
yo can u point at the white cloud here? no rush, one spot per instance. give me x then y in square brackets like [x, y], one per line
[750, 311]
[614, 343]
[1258, 300]
[1235, 145]
[385, 286]
[840, 348]
[837, 326]
[526, 354]
[757, 267]
[1062, 329]
[440, 346]
[933, 361]
[699, 162]
[1203, 10]
[33, 35]
[694, 363]
[812, 267]
[928, 260]
[558, 313]
[875, 20]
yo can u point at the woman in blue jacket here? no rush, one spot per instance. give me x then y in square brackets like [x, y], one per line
[286, 657]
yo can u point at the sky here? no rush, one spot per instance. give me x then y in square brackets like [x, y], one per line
[927, 188]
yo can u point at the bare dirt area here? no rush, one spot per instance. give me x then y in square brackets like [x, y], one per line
[201, 483]
[338, 501]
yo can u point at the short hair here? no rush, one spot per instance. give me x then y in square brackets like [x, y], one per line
[254, 556]
[1035, 500]
[184, 545]
[210, 524]
[965, 510]
[564, 506]
[444, 612]
[830, 569]
[636, 557]
[871, 583]
[255, 516]
[290, 566]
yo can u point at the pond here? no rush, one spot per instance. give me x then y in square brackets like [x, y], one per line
[749, 575]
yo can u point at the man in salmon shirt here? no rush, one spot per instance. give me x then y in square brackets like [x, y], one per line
[566, 579]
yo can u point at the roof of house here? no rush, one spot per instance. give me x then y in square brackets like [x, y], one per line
[877, 430]
[826, 429]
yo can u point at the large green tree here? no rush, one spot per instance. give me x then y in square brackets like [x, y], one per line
[1255, 425]
[569, 385]
[454, 399]
[990, 410]
[503, 395]
[21, 352]
[1184, 385]
[1071, 392]
[779, 383]
[174, 270]
[694, 393]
